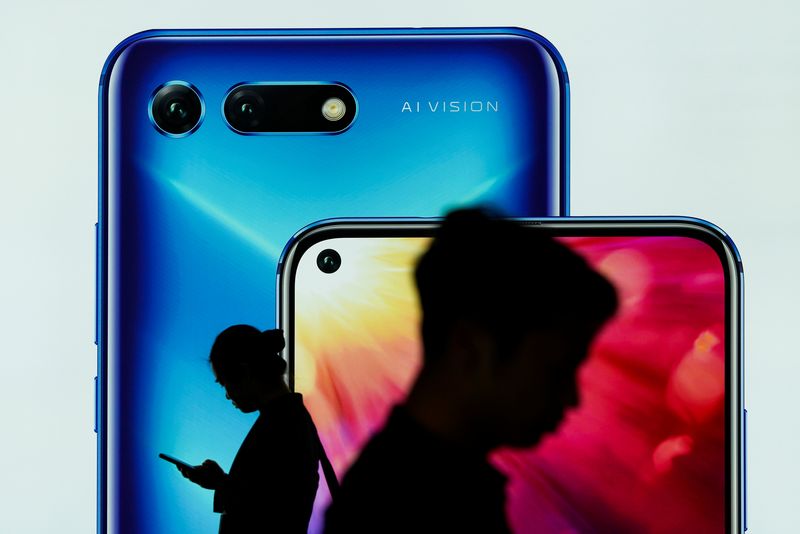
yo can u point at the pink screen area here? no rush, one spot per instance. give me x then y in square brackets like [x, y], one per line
[645, 450]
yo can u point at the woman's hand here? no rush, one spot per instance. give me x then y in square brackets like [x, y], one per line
[207, 475]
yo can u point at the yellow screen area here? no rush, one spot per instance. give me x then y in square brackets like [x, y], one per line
[358, 345]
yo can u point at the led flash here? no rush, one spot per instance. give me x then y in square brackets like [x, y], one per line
[333, 109]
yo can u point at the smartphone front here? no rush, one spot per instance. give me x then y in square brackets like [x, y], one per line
[654, 443]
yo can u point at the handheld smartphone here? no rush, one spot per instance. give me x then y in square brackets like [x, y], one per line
[175, 461]
[656, 443]
[215, 146]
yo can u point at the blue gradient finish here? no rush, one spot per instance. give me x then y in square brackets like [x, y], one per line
[191, 229]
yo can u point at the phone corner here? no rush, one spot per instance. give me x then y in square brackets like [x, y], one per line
[291, 244]
[122, 47]
[718, 234]
[545, 43]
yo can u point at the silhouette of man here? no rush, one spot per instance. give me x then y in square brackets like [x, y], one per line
[508, 315]
[273, 478]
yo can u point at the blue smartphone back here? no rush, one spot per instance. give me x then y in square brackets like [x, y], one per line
[191, 228]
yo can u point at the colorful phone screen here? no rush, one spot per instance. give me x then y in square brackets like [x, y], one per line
[644, 452]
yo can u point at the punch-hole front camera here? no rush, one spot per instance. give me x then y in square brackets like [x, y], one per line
[329, 261]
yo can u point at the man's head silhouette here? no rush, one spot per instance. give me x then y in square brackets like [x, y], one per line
[247, 363]
[508, 315]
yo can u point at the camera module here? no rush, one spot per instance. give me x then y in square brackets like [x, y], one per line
[329, 261]
[307, 108]
[176, 109]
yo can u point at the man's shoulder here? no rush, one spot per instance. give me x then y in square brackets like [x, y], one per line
[386, 454]
[379, 484]
[391, 460]
[408, 478]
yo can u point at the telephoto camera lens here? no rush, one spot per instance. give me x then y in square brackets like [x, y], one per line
[329, 261]
[245, 110]
[177, 109]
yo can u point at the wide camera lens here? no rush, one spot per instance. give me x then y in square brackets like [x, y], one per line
[329, 261]
[245, 110]
[177, 109]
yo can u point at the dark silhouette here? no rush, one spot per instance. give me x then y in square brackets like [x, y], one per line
[273, 478]
[508, 317]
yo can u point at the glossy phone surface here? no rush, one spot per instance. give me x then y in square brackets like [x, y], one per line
[653, 447]
[192, 225]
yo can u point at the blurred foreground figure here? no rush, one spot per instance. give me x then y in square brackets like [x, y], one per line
[508, 315]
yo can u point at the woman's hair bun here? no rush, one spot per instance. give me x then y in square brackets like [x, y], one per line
[273, 340]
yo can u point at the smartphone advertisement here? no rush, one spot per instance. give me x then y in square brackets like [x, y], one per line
[213, 218]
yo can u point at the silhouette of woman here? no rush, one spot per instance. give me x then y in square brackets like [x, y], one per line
[273, 478]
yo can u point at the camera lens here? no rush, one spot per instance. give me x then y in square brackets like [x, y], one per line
[329, 261]
[176, 109]
[245, 110]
